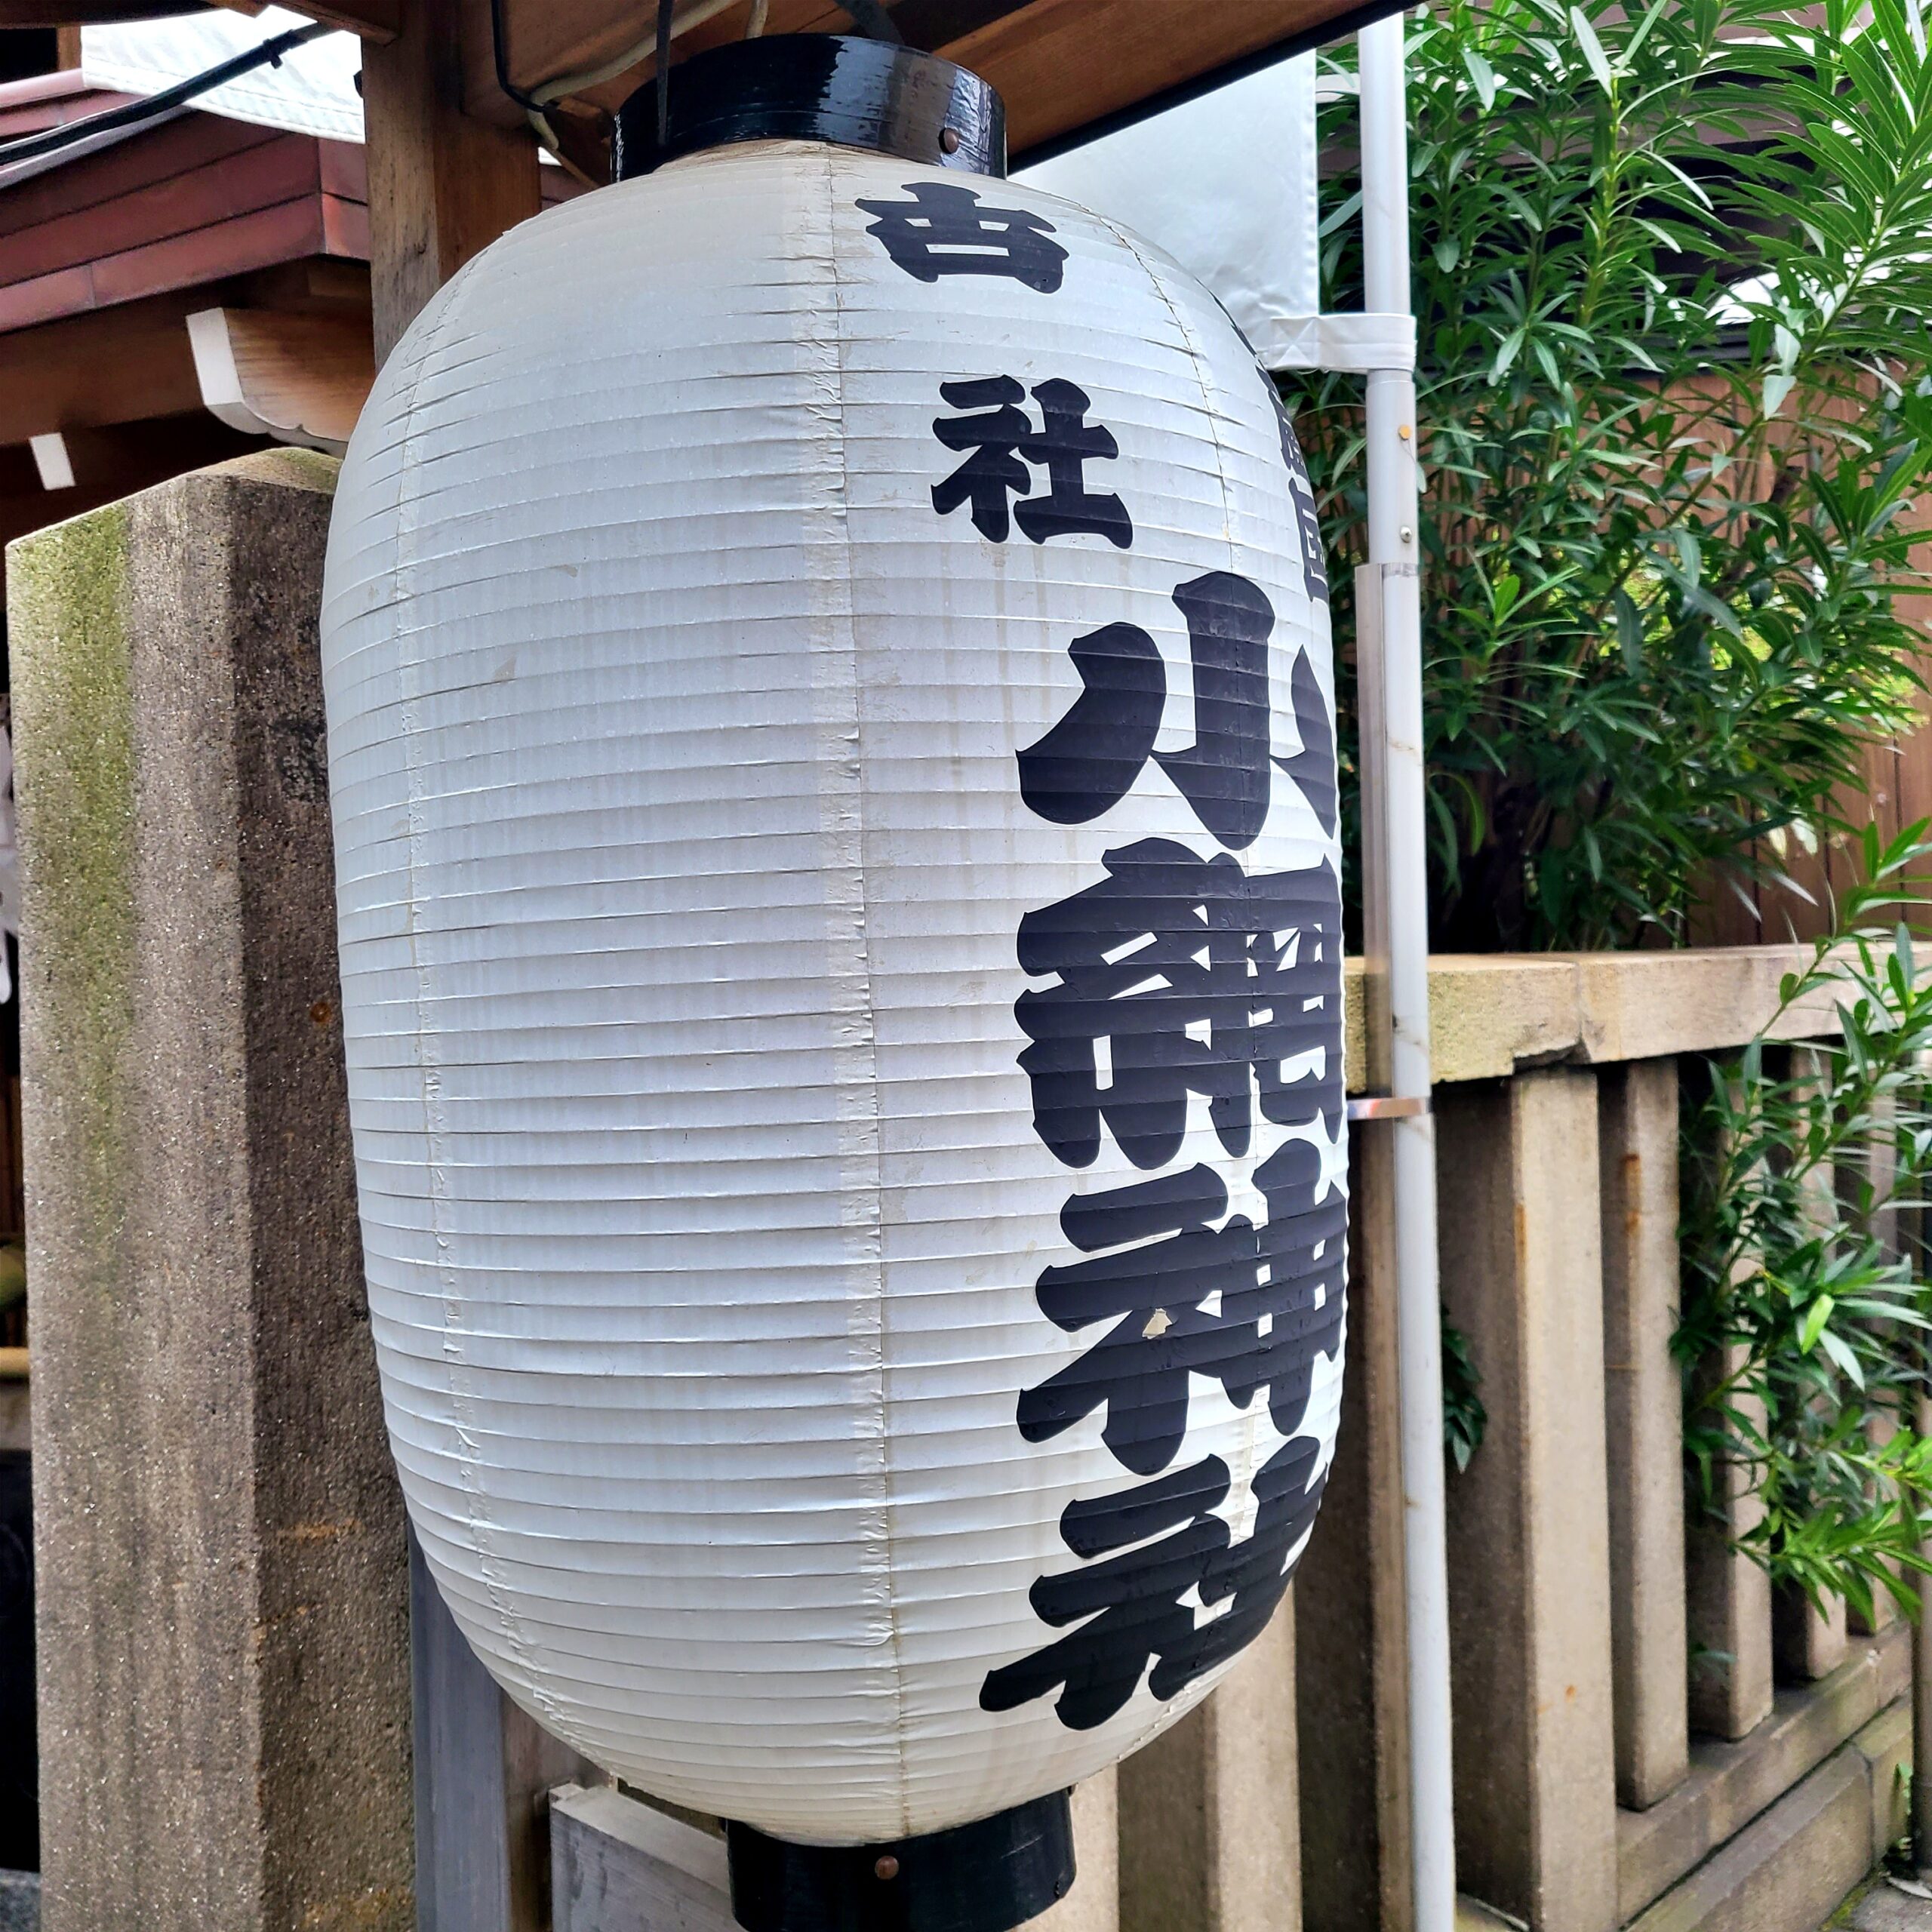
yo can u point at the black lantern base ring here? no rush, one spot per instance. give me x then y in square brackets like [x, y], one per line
[986, 1877]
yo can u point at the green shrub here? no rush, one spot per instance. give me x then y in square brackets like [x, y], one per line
[1672, 284]
[1804, 1323]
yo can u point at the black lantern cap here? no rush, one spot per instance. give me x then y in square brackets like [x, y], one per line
[817, 87]
[985, 1877]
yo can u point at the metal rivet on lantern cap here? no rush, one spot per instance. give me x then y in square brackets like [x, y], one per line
[817, 87]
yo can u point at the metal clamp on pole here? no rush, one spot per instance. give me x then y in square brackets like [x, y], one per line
[1388, 1106]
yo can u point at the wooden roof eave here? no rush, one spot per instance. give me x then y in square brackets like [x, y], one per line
[1062, 65]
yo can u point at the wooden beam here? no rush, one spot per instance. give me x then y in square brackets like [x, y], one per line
[300, 380]
[442, 184]
[1060, 64]
[119, 365]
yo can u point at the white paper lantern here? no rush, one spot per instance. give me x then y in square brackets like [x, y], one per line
[830, 720]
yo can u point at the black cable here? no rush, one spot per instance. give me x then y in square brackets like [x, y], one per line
[524, 98]
[665, 9]
[134, 112]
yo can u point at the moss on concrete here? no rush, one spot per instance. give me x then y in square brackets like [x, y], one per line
[69, 606]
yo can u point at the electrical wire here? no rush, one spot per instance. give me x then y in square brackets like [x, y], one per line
[133, 114]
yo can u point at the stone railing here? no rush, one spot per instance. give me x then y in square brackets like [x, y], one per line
[224, 1682]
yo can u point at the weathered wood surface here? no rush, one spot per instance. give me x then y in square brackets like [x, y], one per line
[1529, 1573]
[443, 185]
[1643, 1399]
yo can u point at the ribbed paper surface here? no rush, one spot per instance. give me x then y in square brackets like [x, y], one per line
[676, 741]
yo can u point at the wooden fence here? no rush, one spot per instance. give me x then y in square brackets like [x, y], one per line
[224, 1669]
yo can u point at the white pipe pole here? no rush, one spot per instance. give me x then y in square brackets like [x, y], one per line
[1397, 910]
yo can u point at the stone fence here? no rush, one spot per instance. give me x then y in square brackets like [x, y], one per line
[231, 1739]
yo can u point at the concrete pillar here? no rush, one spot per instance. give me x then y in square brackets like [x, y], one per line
[1351, 1654]
[223, 1628]
[1529, 1575]
[1093, 1904]
[1209, 1817]
[1638, 1131]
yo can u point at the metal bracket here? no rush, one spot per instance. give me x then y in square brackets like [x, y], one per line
[1388, 1106]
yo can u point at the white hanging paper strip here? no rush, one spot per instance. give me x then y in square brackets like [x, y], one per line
[832, 740]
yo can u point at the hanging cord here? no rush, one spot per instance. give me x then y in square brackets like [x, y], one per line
[761, 13]
[135, 113]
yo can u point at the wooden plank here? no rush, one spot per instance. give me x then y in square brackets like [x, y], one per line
[619, 1866]
[18, 117]
[443, 185]
[279, 171]
[119, 365]
[1058, 63]
[1638, 1129]
[484, 1774]
[269, 236]
[1351, 1644]
[1210, 1812]
[172, 148]
[299, 379]
[1061, 63]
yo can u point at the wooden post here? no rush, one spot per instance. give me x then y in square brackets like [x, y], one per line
[1210, 1837]
[442, 184]
[1807, 1642]
[1351, 1657]
[1728, 1597]
[1529, 1568]
[484, 1771]
[1637, 1125]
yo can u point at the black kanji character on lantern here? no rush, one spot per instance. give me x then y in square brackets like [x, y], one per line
[1002, 441]
[1313, 768]
[1088, 762]
[944, 230]
[1063, 446]
[1223, 774]
[1251, 1575]
[1184, 974]
[994, 472]
[1134, 1602]
[1314, 570]
[1131, 1602]
[1164, 1263]
[1249, 1307]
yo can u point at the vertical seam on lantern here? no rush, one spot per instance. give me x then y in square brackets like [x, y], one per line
[876, 1543]
[1199, 363]
[435, 1127]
